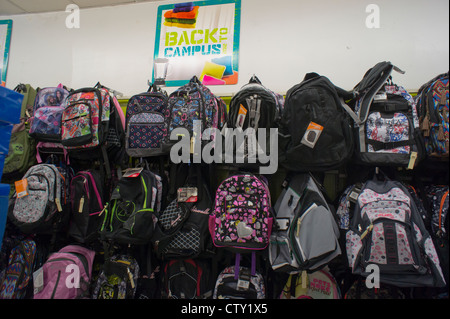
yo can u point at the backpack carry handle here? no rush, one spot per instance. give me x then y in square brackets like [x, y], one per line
[254, 79]
[152, 87]
[195, 79]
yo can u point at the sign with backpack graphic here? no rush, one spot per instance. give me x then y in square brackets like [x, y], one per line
[433, 107]
[198, 38]
[387, 128]
[387, 231]
[305, 235]
[316, 127]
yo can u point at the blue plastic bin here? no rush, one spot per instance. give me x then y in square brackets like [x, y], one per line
[10, 106]
[4, 198]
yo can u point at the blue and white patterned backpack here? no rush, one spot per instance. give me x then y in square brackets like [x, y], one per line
[387, 131]
[145, 128]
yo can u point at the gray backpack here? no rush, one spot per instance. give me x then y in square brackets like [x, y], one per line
[386, 231]
[37, 210]
[305, 234]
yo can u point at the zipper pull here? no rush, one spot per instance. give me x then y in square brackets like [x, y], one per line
[58, 205]
[81, 205]
[130, 276]
[367, 231]
[104, 208]
[298, 227]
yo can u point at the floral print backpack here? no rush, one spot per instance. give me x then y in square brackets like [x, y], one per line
[242, 217]
[387, 231]
[47, 112]
[387, 132]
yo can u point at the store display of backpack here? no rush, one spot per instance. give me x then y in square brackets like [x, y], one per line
[387, 231]
[100, 185]
[253, 106]
[145, 129]
[433, 108]
[47, 113]
[316, 126]
[387, 129]
[305, 234]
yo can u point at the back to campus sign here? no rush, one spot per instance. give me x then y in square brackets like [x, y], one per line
[197, 38]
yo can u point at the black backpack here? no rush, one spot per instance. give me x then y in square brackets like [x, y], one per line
[186, 279]
[131, 211]
[182, 228]
[86, 205]
[316, 127]
[254, 106]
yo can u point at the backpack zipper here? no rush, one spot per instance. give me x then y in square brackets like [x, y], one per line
[441, 207]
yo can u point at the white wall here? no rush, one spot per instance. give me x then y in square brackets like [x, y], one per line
[280, 41]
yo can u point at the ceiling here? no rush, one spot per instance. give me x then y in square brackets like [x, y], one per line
[13, 7]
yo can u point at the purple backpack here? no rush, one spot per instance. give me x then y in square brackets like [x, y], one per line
[59, 279]
[242, 217]
[47, 112]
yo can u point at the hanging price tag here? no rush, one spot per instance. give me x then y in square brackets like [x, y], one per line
[21, 188]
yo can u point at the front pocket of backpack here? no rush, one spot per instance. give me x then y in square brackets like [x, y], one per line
[279, 252]
[245, 227]
[145, 131]
[31, 208]
[77, 125]
[390, 246]
[140, 223]
[187, 242]
[47, 121]
[388, 129]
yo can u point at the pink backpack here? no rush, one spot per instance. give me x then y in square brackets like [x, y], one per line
[242, 217]
[58, 276]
